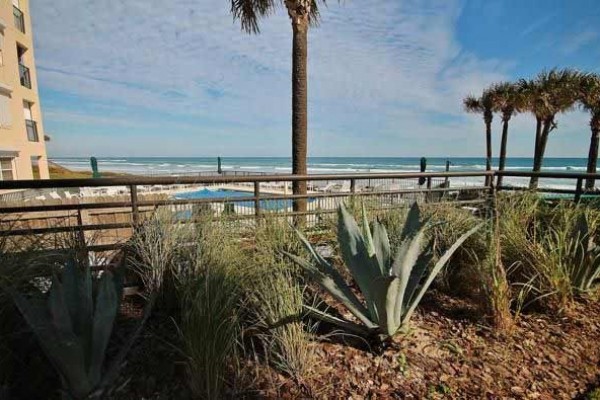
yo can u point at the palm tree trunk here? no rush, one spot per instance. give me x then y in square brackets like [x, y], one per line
[538, 133]
[299, 107]
[592, 157]
[503, 143]
[540, 150]
[488, 147]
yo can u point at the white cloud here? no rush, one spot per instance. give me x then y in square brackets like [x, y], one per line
[387, 78]
[576, 42]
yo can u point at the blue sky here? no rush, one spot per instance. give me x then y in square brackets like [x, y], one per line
[155, 78]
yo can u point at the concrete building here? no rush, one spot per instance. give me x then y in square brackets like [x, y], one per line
[22, 144]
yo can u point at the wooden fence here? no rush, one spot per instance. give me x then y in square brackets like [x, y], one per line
[110, 220]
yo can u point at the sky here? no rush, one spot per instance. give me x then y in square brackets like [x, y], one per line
[386, 77]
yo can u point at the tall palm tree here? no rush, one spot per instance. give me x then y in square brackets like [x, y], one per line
[589, 98]
[507, 100]
[303, 14]
[551, 92]
[483, 105]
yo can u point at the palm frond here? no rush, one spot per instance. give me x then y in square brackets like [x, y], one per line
[249, 12]
[472, 104]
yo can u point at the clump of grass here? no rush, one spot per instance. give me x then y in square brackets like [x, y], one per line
[277, 307]
[494, 282]
[157, 254]
[538, 242]
[196, 273]
[460, 276]
[276, 301]
[211, 292]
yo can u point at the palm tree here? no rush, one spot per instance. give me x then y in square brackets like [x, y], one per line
[551, 92]
[589, 98]
[507, 100]
[303, 14]
[483, 105]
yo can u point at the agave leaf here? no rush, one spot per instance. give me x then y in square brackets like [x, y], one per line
[339, 290]
[366, 231]
[86, 310]
[386, 289]
[342, 323]
[70, 278]
[381, 242]
[364, 269]
[59, 312]
[417, 273]
[104, 318]
[63, 351]
[112, 372]
[581, 237]
[320, 261]
[402, 268]
[435, 270]
[330, 273]
[412, 223]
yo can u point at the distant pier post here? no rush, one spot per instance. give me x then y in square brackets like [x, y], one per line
[94, 164]
[219, 169]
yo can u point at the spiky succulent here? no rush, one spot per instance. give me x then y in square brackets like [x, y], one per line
[584, 268]
[73, 323]
[392, 286]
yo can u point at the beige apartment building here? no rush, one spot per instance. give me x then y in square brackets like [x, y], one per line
[22, 144]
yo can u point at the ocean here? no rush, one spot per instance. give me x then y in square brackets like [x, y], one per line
[153, 166]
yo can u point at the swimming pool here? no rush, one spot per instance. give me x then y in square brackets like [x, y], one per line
[236, 197]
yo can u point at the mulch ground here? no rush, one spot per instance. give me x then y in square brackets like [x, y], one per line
[448, 354]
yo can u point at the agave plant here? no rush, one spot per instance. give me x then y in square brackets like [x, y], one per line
[392, 286]
[584, 270]
[73, 323]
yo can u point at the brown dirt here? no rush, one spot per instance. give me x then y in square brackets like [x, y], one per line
[448, 354]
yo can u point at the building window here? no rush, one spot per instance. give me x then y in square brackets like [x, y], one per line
[24, 74]
[18, 16]
[5, 120]
[6, 169]
[30, 124]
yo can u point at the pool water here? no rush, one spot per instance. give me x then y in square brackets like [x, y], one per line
[236, 196]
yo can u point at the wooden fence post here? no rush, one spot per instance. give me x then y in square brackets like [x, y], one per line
[134, 206]
[578, 190]
[256, 198]
[428, 194]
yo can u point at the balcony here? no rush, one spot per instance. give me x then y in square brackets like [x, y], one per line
[24, 75]
[32, 132]
[19, 19]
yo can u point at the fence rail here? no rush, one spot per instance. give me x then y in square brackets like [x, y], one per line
[134, 198]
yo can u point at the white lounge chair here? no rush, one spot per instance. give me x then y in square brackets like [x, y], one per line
[346, 187]
[55, 196]
[327, 188]
[69, 195]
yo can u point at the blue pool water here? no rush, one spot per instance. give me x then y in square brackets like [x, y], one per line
[237, 198]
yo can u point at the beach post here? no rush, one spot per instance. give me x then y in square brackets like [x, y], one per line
[447, 170]
[423, 168]
[219, 169]
[95, 171]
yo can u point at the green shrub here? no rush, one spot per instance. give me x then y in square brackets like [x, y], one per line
[391, 286]
[543, 244]
[210, 290]
[73, 323]
[276, 300]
